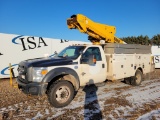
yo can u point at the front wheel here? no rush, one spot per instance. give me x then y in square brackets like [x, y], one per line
[60, 94]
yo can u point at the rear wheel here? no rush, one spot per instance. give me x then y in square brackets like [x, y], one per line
[60, 94]
[137, 80]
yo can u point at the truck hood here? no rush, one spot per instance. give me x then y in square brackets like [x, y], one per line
[46, 62]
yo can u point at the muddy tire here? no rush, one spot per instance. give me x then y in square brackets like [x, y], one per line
[137, 79]
[60, 93]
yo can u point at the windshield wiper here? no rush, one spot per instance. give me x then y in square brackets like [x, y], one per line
[59, 56]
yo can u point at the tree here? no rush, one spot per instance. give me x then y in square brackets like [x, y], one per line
[143, 40]
[155, 39]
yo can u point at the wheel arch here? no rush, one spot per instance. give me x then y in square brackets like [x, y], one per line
[140, 69]
[63, 73]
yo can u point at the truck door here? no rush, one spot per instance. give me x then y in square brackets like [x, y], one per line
[92, 73]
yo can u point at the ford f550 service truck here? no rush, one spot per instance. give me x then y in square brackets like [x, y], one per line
[61, 76]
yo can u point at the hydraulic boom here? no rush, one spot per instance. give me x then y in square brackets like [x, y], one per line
[95, 31]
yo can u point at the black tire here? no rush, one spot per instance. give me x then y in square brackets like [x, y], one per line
[137, 79]
[60, 93]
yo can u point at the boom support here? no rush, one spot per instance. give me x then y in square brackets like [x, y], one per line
[95, 31]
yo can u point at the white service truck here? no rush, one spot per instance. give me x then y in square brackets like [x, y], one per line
[61, 76]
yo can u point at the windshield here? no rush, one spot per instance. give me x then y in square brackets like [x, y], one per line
[71, 52]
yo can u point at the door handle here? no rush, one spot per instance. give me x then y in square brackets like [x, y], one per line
[103, 65]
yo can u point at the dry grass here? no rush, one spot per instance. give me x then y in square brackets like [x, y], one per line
[10, 94]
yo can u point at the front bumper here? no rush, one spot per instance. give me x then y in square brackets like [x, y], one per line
[32, 88]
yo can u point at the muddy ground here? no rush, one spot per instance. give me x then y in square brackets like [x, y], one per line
[110, 102]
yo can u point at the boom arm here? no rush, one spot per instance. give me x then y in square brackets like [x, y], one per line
[95, 31]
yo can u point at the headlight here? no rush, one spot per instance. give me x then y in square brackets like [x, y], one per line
[39, 73]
